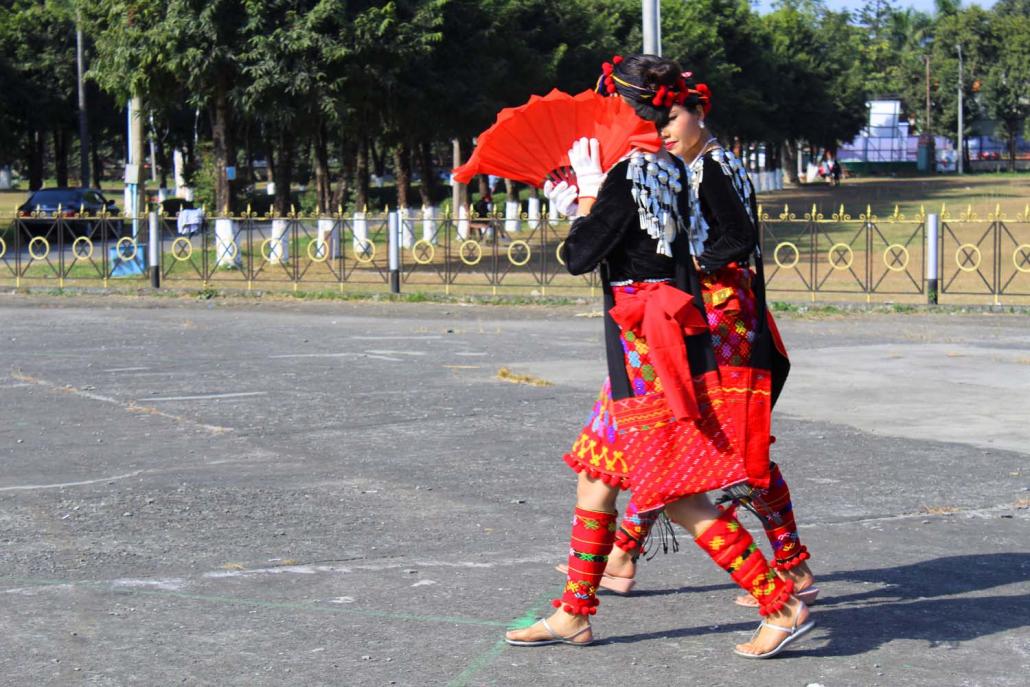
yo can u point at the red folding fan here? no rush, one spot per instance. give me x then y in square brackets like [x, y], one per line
[531, 142]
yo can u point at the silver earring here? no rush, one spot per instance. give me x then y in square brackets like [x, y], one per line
[701, 124]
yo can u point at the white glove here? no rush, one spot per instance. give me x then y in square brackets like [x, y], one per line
[562, 197]
[585, 158]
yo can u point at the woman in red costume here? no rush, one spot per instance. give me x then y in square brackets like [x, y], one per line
[734, 301]
[678, 424]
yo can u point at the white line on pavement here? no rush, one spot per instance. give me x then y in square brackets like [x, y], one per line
[132, 407]
[27, 487]
[313, 355]
[127, 369]
[207, 397]
[378, 352]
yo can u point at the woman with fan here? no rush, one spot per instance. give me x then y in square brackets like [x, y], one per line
[728, 215]
[676, 424]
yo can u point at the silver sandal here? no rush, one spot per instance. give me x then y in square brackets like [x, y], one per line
[555, 638]
[794, 633]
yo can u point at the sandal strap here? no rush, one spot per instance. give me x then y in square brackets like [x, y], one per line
[550, 631]
[555, 635]
[576, 634]
[789, 630]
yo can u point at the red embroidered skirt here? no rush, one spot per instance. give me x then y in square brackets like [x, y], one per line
[637, 443]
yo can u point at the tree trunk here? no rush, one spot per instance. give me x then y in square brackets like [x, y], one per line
[427, 189]
[484, 186]
[222, 149]
[343, 180]
[247, 173]
[790, 161]
[1013, 132]
[270, 158]
[37, 149]
[361, 175]
[459, 192]
[98, 164]
[322, 182]
[61, 156]
[402, 169]
[191, 165]
[283, 173]
[378, 156]
[162, 162]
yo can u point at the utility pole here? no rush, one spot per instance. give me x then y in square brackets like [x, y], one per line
[458, 200]
[652, 16]
[84, 175]
[961, 117]
[134, 167]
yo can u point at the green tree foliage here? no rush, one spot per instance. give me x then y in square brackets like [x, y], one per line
[1007, 83]
[819, 93]
[39, 103]
[333, 88]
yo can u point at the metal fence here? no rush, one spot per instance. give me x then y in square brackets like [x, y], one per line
[835, 256]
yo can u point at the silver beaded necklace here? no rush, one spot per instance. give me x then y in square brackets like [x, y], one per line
[656, 187]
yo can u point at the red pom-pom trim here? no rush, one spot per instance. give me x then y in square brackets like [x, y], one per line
[580, 608]
[556, 603]
[776, 604]
[794, 561]
[610, 480]
[617, 59]
[607, 68]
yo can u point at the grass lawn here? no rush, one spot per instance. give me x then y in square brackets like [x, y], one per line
[982, 192]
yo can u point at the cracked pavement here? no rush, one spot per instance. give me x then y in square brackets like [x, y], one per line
[264, 493]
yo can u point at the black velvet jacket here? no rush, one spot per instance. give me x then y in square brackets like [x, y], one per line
[612, 233]
[732, 236]
[612, 229]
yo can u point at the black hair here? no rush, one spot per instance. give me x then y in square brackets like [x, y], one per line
[640, 79]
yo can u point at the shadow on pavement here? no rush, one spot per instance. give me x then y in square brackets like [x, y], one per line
[901, 606]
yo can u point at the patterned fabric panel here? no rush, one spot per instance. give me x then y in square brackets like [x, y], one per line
[595, 449]
[732, 313]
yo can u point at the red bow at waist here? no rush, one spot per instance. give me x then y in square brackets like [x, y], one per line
[665, 315]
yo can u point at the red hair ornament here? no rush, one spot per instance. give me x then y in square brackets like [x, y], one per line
[705, 96]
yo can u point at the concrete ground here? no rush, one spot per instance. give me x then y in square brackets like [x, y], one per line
[345, 494]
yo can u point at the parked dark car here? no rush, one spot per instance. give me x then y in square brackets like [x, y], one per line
[171, 206]
[77, 206]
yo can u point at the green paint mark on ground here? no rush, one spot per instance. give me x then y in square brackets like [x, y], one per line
[484, 659]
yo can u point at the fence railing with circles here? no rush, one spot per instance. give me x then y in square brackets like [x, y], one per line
[984, 257]
[975, 255]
